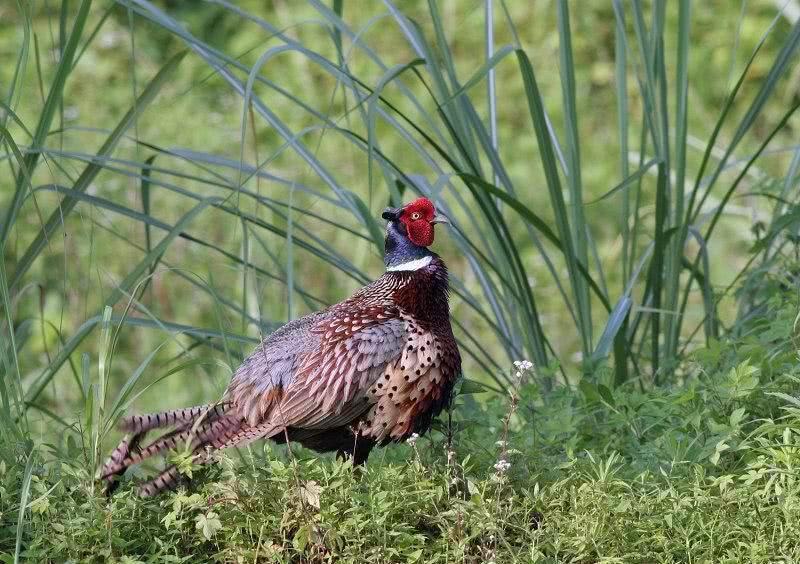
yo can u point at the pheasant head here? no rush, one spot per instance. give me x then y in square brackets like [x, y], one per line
[409, 233]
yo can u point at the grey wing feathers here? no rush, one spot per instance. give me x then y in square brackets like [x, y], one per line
[333, 385]
[314, 372]
[272, 366]
[377, 344]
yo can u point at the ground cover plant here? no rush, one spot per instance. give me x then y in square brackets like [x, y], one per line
[632, 476]
[622, 179]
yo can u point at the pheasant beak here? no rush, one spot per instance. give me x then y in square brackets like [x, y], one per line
[440, 219]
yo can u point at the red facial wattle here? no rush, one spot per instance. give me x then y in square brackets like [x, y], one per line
[420, 232]
[418, 218]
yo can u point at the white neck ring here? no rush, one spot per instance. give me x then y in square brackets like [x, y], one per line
[410, 265]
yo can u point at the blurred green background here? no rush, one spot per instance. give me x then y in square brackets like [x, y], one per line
[315, 245]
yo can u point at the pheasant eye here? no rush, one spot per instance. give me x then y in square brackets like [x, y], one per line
[415, 216]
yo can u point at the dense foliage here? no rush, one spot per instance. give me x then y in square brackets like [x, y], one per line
[708, 468]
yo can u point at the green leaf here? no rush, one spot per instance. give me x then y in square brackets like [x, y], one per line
[613, 325]
[786, 397]
[472, 387]
[606, 394]
[737, 416]
[302, 538]
[590, 391]
[24, 494]
[208, 524]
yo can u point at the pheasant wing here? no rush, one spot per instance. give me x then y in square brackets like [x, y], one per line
[331, 385]
[259, 383]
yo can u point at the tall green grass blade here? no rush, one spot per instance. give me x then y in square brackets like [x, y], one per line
[144, 187]
[24, 184]
[672, 326]
[123, 288]
[25, 491]
[612, 328]
[547, 154]
[15, 87]
[621, 343]
[784, 58]
[11, 374]
[578, 224]
[491, 87]
[622, 186]
[484, 72]
[51, 106]
[93, 34]
[123, 399]
[104, 357]
[709, 304]
[91, 170]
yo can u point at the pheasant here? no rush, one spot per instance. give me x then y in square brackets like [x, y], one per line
[371, 370]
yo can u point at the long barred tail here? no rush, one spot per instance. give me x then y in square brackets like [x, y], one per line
[205, 427]
[227, 437]
[148, 421]
[197, 436]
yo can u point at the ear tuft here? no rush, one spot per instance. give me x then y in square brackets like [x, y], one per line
[391, 214]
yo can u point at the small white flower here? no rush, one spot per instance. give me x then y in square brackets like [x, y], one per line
[502, 466]
[412, 440]
[501, 444]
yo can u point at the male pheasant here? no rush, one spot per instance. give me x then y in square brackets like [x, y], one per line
[370, 370]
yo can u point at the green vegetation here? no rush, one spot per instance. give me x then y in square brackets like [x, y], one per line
[182, 178]
[709, 469]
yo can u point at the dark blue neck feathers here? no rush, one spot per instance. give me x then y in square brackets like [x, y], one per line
[399, 248]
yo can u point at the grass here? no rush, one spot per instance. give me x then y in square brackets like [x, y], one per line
[410, 514]
[654, 476]
[182, 181]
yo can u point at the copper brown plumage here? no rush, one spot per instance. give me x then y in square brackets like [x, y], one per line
[370, 370]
